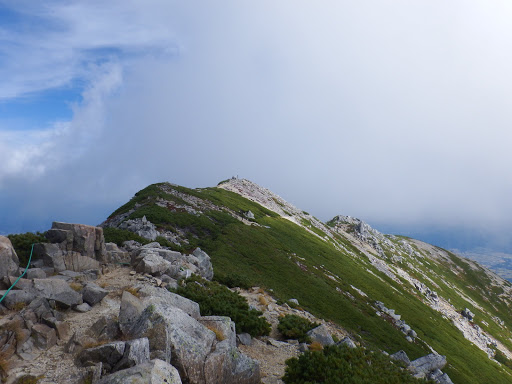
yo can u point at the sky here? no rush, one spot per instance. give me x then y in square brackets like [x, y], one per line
[396, 112]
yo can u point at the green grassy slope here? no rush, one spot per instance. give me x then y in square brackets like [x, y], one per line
[284, 257]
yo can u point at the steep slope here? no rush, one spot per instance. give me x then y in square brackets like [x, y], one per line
[391, 292]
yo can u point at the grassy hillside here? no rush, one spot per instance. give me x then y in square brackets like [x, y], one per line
[334, 275]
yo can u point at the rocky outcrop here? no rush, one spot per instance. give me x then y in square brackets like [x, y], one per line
[176, 337]
[153, 372]
[426, 367]
[142, 227]
[157, 261]
[9, 262]
[74, 247]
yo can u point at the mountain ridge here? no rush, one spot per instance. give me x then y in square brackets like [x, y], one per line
[344, 263]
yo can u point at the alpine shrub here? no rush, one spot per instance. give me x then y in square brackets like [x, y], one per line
[22, 244]
[215, 299]
[295, 327]
[338, 364]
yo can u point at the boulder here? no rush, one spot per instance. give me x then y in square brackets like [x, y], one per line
[204, 264]
[51, 255]
[468, 314]
[9, 262]
[135, 352]
[44, 336]
[222, 326]
[348, 342]
[321, 335]
[106, 328]
[35, 273]
[153, 372]
[108, 354]
[244, 339]
[424, 365]
[16, 298]
[152, 264]
[84, 239]
[131, 309]
[170, 329]
[294, 301]
[401, 356]
[116, 255]
[227, 365]
[58, 290]
[84, 307]
[93, 294]
[163, 296]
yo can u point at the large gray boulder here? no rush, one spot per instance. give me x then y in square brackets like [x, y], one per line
[223, 327]
[51, 255]
[227, 365]
[74, 261]
[58, 290]
[171, 329]
[153, 372]
[9, 262]
[204, 264]
[108, 354]
[135, 352]
[424, 365]
[93, 294]
[401, 356]
[152, 263]
[130, 310]
[321, 335]
[155, 295]
[17, 297]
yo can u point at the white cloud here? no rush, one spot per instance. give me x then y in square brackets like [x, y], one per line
[397, 112]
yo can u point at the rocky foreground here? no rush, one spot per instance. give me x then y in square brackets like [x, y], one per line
[90, 312]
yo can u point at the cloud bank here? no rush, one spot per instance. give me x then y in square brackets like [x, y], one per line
[395, 112]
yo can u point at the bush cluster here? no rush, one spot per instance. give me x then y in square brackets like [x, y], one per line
[22, 244]
[342, 365]
[215, 299]
[296, 327]
[233, 280]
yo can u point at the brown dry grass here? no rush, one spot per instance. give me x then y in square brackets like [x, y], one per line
[218, 334]
[76, 286]
[315, 346]
[263, 300]
[134, 291]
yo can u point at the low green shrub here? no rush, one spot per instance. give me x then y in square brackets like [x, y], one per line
[501, 358]
[343, 365]
[215, 299]
[22, 244]
[233, 280]
[295, 327]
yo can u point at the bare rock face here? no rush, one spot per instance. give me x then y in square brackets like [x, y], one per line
[9, 262]
[429, 363]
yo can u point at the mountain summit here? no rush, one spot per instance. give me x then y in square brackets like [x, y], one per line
[388, 292]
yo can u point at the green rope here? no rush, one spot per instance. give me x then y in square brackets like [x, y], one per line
[23, 274]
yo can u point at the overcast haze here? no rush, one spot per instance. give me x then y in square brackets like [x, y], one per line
[397, 112]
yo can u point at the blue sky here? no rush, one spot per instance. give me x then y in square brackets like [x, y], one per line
[396, 112]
